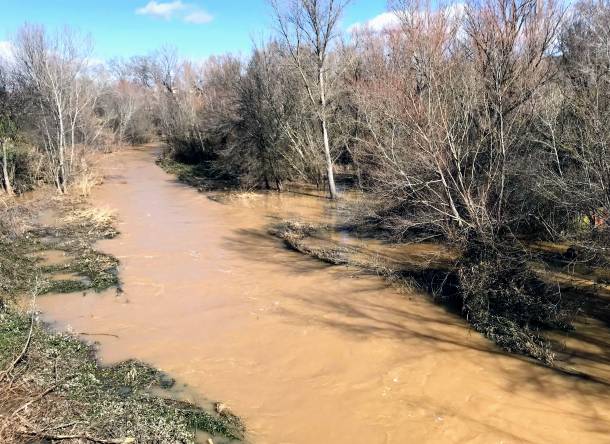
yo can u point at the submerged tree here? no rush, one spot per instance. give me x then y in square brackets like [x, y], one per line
[447, 136]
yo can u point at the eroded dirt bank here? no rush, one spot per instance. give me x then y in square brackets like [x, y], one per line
[302, 351]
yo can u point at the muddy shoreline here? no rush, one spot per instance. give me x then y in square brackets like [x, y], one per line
[53, 386]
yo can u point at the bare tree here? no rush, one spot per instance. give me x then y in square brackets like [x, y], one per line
[125, 111]
[52, 67]
[309, 29]
[7, 129]
[448, 120]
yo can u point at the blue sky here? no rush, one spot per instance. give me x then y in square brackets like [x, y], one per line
[198, 28]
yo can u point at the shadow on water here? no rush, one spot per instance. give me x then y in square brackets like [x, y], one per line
[259, 245]
[363, 317]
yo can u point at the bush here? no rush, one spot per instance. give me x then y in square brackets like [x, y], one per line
[507, 302]
[24, 167]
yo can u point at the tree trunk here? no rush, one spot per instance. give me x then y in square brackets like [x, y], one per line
[61, 143]
[72, 144]
[7, 181]
[62, 161]
[329, 161]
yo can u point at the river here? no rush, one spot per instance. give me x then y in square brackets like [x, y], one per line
[304, 352]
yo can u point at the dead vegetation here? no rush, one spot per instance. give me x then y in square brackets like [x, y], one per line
[315, 241]
[295, 235]
[58, 392]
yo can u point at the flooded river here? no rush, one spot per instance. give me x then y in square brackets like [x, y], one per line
[304, 352]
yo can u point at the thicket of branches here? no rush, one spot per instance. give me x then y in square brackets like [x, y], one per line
[484, 125]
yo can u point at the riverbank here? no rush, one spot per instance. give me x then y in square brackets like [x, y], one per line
[52, 386]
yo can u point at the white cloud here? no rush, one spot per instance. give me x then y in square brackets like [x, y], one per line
[187, 12]
[6, 50]
[378, 23]
[199, 17]
[390, 20]
[161, 10]
[94, 62]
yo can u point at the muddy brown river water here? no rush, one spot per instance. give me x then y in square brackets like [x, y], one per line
[304, 352]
